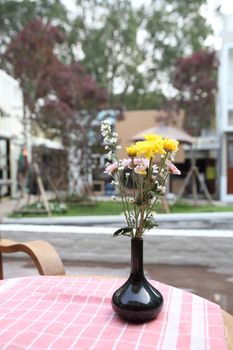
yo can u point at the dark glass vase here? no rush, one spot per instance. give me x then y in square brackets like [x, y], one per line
[137, 300]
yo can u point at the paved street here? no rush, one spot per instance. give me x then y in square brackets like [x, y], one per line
[165, 247]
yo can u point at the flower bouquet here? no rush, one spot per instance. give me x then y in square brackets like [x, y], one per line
[140, 181]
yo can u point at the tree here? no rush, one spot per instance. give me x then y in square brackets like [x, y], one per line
[107, 32]
[136, 100]
[69, 113]
[195, 78]
[31, 55]
[173, 29]
[14, 15]
[131, 50]
[61, 98]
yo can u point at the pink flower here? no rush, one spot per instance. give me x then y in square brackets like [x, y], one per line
[173, 169]
[141, 165]
[140, 169]
[111, 168]
[142, 161]
[127, 162]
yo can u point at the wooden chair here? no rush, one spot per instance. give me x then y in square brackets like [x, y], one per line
[45, 257]
[228, 323]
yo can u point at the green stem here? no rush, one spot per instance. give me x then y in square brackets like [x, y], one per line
[151, 208]
[139, 232]
[135, 208]
[124, 201]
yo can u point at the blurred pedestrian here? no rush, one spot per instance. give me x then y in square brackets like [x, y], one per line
[22, 170]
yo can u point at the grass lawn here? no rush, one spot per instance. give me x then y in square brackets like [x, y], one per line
[206, 208]
[99, 208]
[78, 209]
[114, 208]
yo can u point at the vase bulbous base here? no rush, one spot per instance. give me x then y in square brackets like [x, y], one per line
[137, 301]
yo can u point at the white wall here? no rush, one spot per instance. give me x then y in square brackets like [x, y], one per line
[11, 103]
[225, 101]
[230, 76]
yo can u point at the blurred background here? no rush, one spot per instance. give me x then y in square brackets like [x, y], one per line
[156, 66]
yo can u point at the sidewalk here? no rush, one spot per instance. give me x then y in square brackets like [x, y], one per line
[109, 230]
[188, 221]
[7, 206]
[117, 219]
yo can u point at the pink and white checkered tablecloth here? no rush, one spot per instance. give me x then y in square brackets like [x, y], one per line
[75, 313]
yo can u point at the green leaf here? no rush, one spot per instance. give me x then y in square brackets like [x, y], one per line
[125, 231]
[141, 199]
[150, 223]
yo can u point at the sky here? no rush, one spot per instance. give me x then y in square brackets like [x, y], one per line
[215, 20]
[227, 6]
[208, 11]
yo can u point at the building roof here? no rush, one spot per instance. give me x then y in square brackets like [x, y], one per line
[135, 122]
[40, 141]
[166, 131]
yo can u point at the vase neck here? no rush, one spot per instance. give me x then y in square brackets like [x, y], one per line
[137, 271]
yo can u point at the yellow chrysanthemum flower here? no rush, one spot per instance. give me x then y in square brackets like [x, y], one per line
[151, 137]
[131, 151]
[142, 172]
[151, 147]
[171, 145]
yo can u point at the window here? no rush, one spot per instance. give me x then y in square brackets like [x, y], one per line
[230, 118]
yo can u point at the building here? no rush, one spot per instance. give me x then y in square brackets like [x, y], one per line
[11, 131]
[138, 121]
[204, 149]
[48, 154]
[225, 111]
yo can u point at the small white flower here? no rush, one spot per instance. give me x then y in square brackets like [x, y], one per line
[155, 169]
[110, 155]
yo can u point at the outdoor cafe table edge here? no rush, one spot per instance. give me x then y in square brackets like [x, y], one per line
[36, 307]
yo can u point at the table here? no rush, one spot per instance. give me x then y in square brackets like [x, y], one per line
[44, 312]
